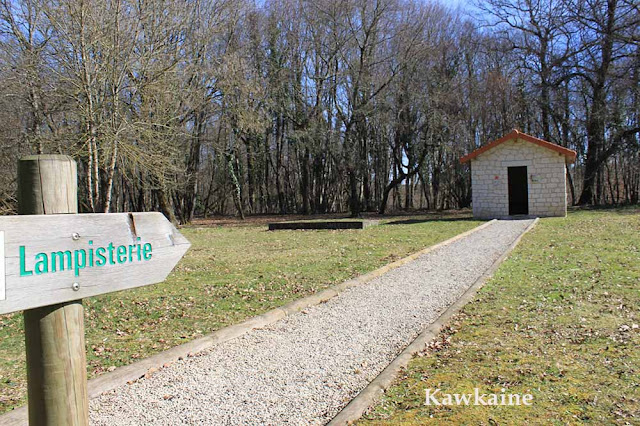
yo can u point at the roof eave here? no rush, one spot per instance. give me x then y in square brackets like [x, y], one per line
[570, 155]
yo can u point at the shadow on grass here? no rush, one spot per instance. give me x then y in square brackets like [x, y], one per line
[620, 209]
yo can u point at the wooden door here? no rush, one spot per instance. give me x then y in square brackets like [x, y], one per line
[518, 190]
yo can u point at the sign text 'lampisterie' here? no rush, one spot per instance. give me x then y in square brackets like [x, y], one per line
[49, 259]
[89, 257]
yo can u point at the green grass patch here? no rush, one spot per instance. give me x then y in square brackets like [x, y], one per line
[558, 320]
[230, 273]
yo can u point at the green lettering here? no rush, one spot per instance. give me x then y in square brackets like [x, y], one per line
[146, 251]
[90, 255]
[23, 266]
[60, 256]
[101, 259]
[122, 254]
[138, 252]
[79, 261]
[76, 260]
[42, 264]
[111, 247]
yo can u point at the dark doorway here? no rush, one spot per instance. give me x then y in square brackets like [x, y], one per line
[518, 190]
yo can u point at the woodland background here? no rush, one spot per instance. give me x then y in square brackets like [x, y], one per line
[197, 108]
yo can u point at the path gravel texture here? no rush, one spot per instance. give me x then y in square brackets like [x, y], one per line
[305, 368]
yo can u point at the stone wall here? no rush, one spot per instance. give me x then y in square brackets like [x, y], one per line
[546, 178]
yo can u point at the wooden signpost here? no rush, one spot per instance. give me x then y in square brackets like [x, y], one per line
[52, 259]
[57, 258]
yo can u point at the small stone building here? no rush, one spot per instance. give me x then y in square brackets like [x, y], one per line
[519, 174]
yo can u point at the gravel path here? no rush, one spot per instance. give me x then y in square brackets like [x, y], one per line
[306, 367]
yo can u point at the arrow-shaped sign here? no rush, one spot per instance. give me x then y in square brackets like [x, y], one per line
[49, 259]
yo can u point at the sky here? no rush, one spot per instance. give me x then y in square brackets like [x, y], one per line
[465, 5]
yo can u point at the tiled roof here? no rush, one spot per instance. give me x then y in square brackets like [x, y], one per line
[515, 134]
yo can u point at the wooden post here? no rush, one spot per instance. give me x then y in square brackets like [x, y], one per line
[54, 335]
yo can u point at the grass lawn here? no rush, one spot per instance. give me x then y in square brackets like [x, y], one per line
[230, 273]
[558, 320]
